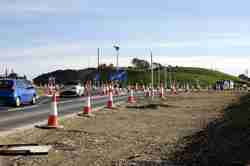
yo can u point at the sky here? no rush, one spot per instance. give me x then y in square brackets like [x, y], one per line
[44, 35]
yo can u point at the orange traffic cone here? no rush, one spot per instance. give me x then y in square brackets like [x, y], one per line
[110, 101]
[87, 110]
[87, 107]
[53, 117]
[131, 98]
[162, 92]
[174, 91]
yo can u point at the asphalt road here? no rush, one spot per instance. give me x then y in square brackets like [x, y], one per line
[12, 118]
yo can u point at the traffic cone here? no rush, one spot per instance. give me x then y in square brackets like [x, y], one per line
[110, 100]
[87, 107]
[187, 87]
[53, 117]
[152, 92]
[147, 92]
[87, 111]
[174, 91]
[131, 98]
[162, 92]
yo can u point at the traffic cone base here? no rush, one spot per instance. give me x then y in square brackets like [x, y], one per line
[131, 99]
[110, 104]
[89, 115]
[87, 111]
[52, 121]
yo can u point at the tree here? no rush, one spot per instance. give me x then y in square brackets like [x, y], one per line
[244, 77]
[102, 66]
[140, 63]
[13, 75]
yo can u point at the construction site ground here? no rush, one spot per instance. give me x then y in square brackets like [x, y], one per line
[198, 128]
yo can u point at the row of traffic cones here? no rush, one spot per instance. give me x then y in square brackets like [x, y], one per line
[150, 92]
[87, 110]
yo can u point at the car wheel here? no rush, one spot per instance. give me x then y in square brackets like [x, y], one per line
[33, 101]
[18, 102]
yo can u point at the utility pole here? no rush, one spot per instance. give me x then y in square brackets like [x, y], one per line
[98, 65]
[6, 72]
[152, 74]
[165, 76]
[170, 76]
[152, 70]
[98, 58]
[159, 76]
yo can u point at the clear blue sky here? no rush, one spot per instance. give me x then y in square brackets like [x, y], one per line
[44, 35]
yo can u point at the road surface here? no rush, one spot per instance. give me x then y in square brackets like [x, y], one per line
[13, 118]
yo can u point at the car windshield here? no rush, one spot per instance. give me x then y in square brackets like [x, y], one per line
[6, 84]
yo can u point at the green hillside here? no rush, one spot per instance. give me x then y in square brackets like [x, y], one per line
[181, 74]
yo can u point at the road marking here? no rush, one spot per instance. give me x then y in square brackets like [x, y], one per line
[21, 108]
[62, 102]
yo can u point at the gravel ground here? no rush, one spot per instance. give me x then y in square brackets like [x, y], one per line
[146, 131]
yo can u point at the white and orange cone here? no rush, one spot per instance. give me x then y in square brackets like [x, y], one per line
[162, 95]
[53, 115]
[87, 110]
[110, 100]
[87, 107]
[174, 91]
[147, 92]
[152, 92]
[131, 98]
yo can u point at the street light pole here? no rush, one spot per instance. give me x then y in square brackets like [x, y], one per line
[152, 74]
[159, 76]
[98, 67]
[117, 48]
[98, 58]
[165, 77]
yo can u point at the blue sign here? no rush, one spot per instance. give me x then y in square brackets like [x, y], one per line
[97, 77]
[119, 76]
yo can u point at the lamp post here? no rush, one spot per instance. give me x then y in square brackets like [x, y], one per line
[165, 77]
[98, 58]
[152, 74]
[98, 67]
[117, 48]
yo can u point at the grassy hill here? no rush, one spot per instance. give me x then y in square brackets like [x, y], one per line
[181, 74]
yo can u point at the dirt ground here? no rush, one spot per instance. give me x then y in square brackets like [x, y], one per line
[146, 131]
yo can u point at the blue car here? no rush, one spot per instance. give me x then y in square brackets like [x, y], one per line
[17, 92]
